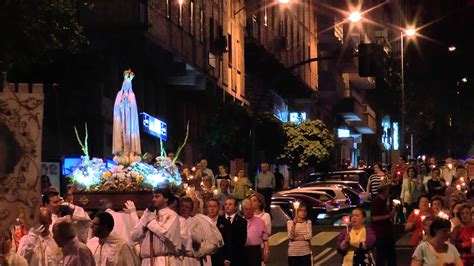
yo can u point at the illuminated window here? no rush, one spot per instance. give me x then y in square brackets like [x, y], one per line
[191, 15]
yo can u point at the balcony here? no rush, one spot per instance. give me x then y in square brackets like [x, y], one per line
[350, 109]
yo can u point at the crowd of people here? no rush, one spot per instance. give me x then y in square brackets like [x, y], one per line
[434, 203]
[218, 220]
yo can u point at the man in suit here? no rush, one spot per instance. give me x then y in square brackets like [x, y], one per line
[235, 236]
[213, 206]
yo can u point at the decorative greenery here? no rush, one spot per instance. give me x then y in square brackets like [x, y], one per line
[309, 144]
[84, 145]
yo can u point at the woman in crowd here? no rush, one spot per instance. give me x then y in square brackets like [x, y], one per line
[455, 220]
[437, 205]
[437, 251]
[223, 174]
[426, 228]
[258, 203]
[242, 185]
[356, 237]
[300, 231]
[415, 220]
[435, 185]
[424, 176]
[8, 256]
[409, 184]
[378, 178]
[463, 234]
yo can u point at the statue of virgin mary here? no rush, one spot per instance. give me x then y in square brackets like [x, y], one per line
[126, 130]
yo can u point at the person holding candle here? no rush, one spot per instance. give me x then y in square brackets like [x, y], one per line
[409, 185]
[300, 231]
[378, 178]
[437, 205]
[242, 185]
[223, 175]
[463, 234]
[415, 220]
[437, 251]
[358, 236]
[435, 185]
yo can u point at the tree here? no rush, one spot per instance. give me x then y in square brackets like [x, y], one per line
[309, 144]
[32, 28]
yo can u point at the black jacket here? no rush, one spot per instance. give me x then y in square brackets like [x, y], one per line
[235, 236]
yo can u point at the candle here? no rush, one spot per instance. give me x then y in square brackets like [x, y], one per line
[416, 212]
[193, 169]
[296, 204]
[462, 179]
[447, 184]
[458, 187]
[423, 218]
[191, 177]
[450, 165]
[215, 191]
[346, 220]
[235, 179]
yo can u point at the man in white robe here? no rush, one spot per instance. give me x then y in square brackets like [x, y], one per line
[60, 208]
[38, 246]
[158, 232]
[75, 252]
[108, 248]
[124, 222]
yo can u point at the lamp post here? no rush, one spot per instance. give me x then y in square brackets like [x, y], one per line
[410, 32]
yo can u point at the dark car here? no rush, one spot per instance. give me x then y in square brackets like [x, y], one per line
[358, 175]
[318, 211]
[353, 185]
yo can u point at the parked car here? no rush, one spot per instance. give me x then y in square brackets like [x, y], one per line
[319, 212]
[353, 185]
[341, 194]
[358, 175]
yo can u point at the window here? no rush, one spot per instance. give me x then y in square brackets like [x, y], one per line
[229, 48]
[191, 15]
[265, 16]
[180, 12]
[168, 9]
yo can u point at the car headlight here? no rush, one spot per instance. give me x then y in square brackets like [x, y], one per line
[322, 216]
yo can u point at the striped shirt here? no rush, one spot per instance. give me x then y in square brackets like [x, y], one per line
[299, 247]
[374, 183]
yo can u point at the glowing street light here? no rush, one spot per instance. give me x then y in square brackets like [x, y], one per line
[464, 80]
[355, 17]
[452, 48]
[283, 1]
[410, 32]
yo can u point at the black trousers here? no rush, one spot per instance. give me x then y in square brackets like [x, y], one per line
[253, 255]
[299, 260]
[385, 252]
[267, 194]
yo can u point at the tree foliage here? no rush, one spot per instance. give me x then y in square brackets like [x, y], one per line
[309, 144]
[31, 28]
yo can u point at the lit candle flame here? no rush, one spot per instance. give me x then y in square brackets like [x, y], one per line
[458, 187]
[423, 218]
[193, 169]
[416, 211]
[235, 179]
[296, 204]
[450, 165]
[215, 191]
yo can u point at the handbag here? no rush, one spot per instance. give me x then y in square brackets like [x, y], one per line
[363, 257]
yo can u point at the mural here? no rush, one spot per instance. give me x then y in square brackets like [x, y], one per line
[21, 119]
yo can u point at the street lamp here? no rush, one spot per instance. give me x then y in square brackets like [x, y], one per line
[355, 17]
[409, 33]
[464, 80]
[452, 48]
[283, 2]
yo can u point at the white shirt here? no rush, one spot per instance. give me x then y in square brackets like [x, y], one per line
[429, 257]
[77, 253]
[39, 250]
[124, 224]
[163, 231]
[231, 217]
[114, 252]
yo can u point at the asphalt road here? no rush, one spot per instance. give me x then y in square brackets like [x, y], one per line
[323, 244]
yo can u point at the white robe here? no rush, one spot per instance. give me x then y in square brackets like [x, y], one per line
[165, 235]
[126, 130]
[39, 250]
[114, 252]
[124, 224]
[77, 253]
[82, 220]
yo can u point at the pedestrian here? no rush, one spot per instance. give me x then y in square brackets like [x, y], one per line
[379, 177]
[300, 231]
[455, 220]
[382, 215]
[108, 248]
[223, 175]
[38, 246]
[357, 239]
[75, 252]
[435, 185]
[224, 191]
[258, 202]
[409, 185]
[196, 232]
[203, 166]
[437, 205]
[242, 185]
[223, 225]
[448, 171]
[69, 195]
[124, 222]
[257, 236]
[415, 220]
[8, 256]
[279, 179]
[462, 234]
[266, 184]
[238, 233]
[437, 251]
[158, 231]
[60, 208]
[424, 176]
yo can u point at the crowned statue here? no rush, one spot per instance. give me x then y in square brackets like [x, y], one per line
[126, 134]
